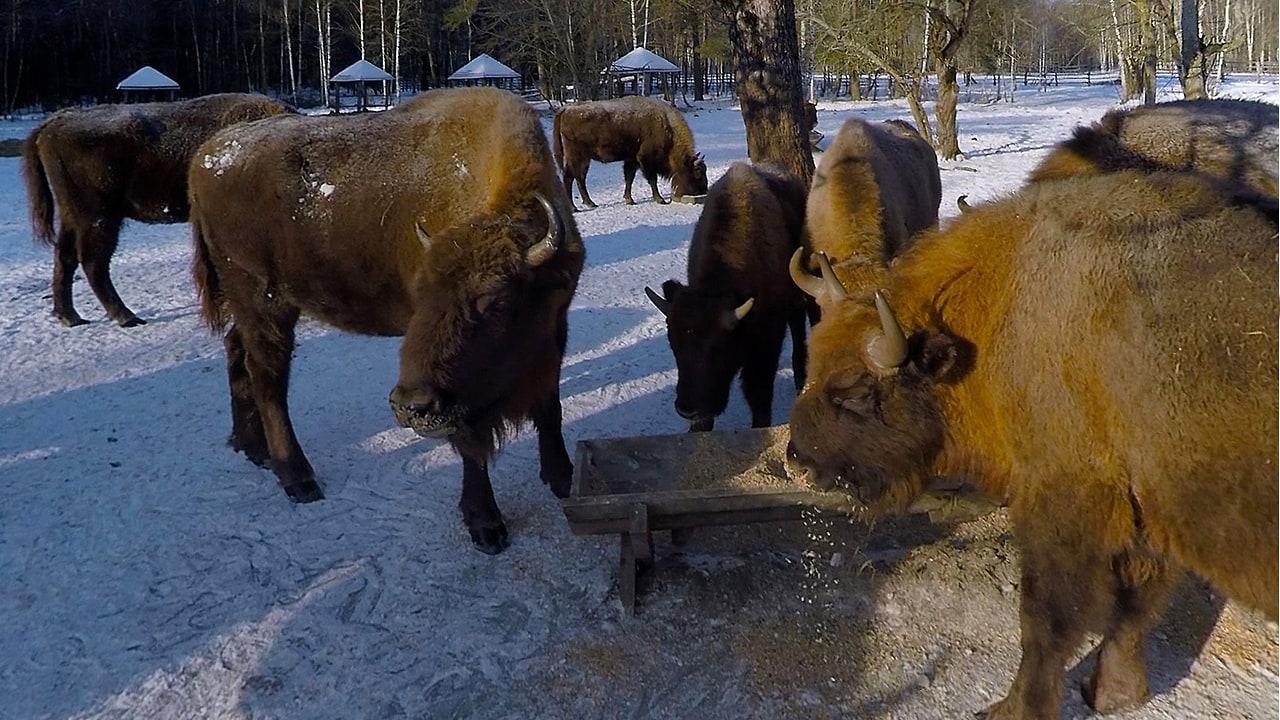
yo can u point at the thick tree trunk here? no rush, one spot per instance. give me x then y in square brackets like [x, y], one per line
[947, 143]
[1191, 69]
[766, 56]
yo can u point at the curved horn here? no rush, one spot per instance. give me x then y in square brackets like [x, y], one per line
[663, 305]
[834, 288]
[964, 206]
[887, 350]
[742, 310]
[545, 248]
[810, 284]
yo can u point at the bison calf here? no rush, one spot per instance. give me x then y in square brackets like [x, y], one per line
[110, 163]
[1099, 351]
[644, 133]
[441, 221]
[734, 313]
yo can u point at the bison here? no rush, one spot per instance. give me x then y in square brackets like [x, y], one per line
[734, 312]
[1097, 351]
[1234, 140]
[642, 132]
[105, 164]
[441, 221]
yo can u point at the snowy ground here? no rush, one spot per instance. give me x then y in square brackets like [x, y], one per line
[147, 571]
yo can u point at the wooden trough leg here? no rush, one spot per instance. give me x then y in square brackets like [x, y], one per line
[635, 553]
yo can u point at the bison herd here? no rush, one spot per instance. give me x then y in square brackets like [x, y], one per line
[1095, 349]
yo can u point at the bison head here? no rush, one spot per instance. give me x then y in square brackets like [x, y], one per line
[868, 421]
[700, 329]
[689, 177]
[484, 319]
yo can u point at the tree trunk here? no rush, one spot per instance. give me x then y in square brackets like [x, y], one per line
[767, 75]
[947, 142]
[1191, 64]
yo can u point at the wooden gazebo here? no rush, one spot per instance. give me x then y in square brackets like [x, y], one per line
[351, 88]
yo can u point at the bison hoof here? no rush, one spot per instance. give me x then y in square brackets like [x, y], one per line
[490, 540]
[72, 320]
[702, 425]
[304, 492]
[131, 321]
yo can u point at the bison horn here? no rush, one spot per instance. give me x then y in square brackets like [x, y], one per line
[545, 248]
[423, 237]
[810, 284]
[663, 305]
[833, 286]
[962, 204]
[742, 310]
[888, 349]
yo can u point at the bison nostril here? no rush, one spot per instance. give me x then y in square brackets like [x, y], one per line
[685, 412]
[421, 402]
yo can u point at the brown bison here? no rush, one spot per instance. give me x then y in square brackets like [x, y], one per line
[642, 132]
[734, 313]
[105, 164]
[441, 221]
[1099, 352]
[1235, 140]
[874, 188]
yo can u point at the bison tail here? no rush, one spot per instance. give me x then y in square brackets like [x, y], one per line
[39, 196]
[557, 145]
[213, 306]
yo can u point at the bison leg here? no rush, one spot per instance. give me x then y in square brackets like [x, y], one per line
[799, 346]
[1064, 587]
[652, 178]
[65, 261]
[479, 510]
[267, 335]
[629, 168]
[247, 435]
[1119, 680]
[97, 245]
[553, 456]
[578, 171]
[758, 371]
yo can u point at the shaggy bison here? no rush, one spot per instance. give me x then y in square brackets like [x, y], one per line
[875, 187]
[734, 313]
[1235, 140]
[105, 164]
[420, 222]
[642, 132]
[1098, 351]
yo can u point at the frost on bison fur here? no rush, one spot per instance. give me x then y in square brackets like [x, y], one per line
[644, 133]
[106, 164]
[418, 222]
[1233, 140]
[734, 313]
[1100, 352]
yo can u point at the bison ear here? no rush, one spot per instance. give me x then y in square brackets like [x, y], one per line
[671, 289]
[940, 356]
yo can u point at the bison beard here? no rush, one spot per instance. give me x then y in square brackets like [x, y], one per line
[475, 271]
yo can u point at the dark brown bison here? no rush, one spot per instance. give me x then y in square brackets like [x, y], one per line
[875, 187]
[1099, 352]
[1235, 140]
[442, 221]
[642, 132]
[110, 163]
[734, 313]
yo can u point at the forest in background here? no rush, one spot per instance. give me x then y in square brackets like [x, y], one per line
[66, 52]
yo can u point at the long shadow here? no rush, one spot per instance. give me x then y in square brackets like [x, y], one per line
[634, 242]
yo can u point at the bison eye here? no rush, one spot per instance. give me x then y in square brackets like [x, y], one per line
[862, 400]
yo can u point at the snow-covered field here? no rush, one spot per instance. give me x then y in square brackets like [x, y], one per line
[147, 571]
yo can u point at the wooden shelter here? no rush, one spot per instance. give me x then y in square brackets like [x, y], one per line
[485, 70]
[148, 84]
[360, 86]
[638, 68]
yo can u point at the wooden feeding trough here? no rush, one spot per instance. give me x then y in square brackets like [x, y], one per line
[635, 486]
